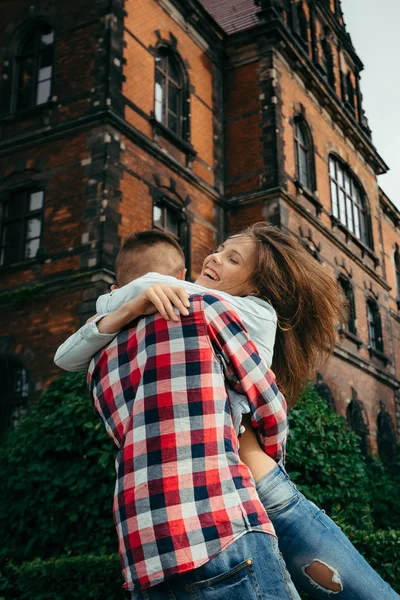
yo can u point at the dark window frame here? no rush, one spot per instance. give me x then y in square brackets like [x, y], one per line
[167, 204]
[350, 92]
[349, 195]
[355, 417]
[327, 63]
[348, 291]
[374, 324]
[167, 59]
[397, 273]
[21, 218]
[303, 146]
[37, 30]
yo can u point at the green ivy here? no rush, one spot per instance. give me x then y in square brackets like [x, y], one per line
[325, 461]
[58, 478]
[33, 292]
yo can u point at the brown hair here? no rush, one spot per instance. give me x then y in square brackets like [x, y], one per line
[129, 264]
[308, 302]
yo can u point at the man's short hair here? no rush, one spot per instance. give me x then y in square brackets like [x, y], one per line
[128, 265]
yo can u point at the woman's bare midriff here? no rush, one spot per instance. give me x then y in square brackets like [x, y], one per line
[251, 453]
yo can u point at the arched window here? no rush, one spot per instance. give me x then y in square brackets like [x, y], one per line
[397, 270]
[374, 325]
[327, 63]
[171, 92]
[349, 294]
[325, 392]
[34, 67]
[14, 390]
[356, 418]
[21, 225]
[304, 153]
[348, 204]
[386, 436]
[350, 91]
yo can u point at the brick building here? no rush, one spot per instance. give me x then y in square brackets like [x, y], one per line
[198, 117]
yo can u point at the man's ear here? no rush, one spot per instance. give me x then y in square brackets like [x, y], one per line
[114, 287]
[181, 274]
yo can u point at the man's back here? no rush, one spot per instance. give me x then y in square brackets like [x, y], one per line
[182, 493]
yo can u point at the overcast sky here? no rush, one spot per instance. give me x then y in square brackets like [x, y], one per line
[374, 29]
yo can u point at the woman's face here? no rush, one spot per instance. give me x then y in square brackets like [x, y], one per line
[230, 267]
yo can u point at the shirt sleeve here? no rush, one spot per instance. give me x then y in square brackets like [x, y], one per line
[249, 375]
[77, 351]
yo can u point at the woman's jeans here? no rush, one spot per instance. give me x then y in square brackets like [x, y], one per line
[249, 569]
[306, 534]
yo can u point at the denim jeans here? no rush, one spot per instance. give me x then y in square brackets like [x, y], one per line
[307, 534]
[249, 569]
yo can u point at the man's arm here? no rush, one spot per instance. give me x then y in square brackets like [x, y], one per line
[253, 378]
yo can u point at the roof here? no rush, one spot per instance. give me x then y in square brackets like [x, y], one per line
[233, 15]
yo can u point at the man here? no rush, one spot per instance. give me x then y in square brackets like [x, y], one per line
[189, 521]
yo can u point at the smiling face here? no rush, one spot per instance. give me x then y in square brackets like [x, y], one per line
[230, 268]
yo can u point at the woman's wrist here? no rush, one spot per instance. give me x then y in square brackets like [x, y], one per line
[115, 321]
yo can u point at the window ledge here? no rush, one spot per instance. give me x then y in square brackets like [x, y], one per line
[28, 112]
[161, 129]
[364, 248]
[301, 189]
[381, 355]
[351, 336]
[18, 265]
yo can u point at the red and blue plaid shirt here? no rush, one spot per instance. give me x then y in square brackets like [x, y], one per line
[182, 493]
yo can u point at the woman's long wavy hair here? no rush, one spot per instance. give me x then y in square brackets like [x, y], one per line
[309, 304]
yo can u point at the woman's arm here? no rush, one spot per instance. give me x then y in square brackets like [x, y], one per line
[251, 452]
[77, 351]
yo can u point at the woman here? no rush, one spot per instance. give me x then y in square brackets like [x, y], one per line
[264, 265]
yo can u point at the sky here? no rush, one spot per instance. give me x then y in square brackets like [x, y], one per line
[374, 29]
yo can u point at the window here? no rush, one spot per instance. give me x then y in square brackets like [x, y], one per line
[166, 218]
[386, 436]
[21, 226]
[34, 68]
[349, 294]
[374, 325]
[350, 91]
[301, 24]
[327, 63]
[397, 270]
[169, 216]
[304, 154]
[14, 390]
[348, 205]
[171, 97]
[355, 417]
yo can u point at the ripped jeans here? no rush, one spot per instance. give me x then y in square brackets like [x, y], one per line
[307, 536]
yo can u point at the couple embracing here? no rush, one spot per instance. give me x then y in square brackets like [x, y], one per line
[180, 373]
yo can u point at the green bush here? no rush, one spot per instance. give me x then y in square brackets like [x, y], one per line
[382, 550]
[325, 461]
[385, 494]
[86, 577]
[56, 523]
[57, 479]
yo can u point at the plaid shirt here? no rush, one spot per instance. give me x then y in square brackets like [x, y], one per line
[182, 494]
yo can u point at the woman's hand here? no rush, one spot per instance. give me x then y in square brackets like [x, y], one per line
[157, 298]
[163, 298]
